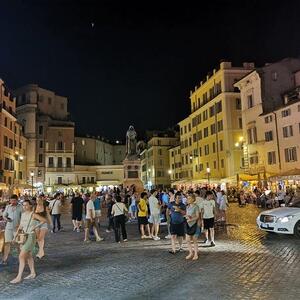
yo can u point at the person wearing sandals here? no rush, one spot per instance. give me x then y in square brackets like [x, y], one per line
[177, 210]
[118, 211]
[42, 210]
[192, 217]
[29, 222]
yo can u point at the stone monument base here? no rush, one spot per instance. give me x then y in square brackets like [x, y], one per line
[139, 187]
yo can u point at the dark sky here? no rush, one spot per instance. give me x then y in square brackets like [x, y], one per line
[140, 60]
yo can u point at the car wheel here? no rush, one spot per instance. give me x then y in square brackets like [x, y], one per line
[297, 229]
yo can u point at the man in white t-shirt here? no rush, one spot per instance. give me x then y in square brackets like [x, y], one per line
[55, 209]
[90, 222]
[208, 212]
[154, 214]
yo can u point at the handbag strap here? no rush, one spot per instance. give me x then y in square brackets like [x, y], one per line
[122, 211]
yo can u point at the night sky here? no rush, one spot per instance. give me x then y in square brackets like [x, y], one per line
[124, 62]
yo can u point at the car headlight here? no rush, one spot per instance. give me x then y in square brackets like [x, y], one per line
[285, 219]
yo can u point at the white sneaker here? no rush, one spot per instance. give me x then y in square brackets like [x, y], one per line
[156, 238]
[168, 237]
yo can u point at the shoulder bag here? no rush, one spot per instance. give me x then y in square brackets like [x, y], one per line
[123, 212]
[22, 236]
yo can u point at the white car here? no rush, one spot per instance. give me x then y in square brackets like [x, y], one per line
[281, 220]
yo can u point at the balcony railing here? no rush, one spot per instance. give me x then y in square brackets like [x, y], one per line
[59, 169]
[59, 151]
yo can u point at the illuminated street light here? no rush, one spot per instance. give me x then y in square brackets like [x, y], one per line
[170, 172]
[208, 175]
[21, 157]
[237, 144]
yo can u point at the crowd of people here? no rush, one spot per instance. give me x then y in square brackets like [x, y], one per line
[187, 214]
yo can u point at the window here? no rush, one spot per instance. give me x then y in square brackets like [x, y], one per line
[274, 76]
[160, 152]
[220, 125]
[41, 144]
[205, 116]
[69, 162]
[41, 129]
[250, 101]
[11, 145]
[269, 136]
[60, 146]
[287, 131]
[200, 151]
[205, 132]
[219, 107]
[206, 149]
[59, 162]
[83, 180]
[184, 128]
[15, 130]
[5, 122]
[51, 162]
[5, 141]
[240, 123]
[214, 147]
[199, 135]
[190, 128]
[212, 111]
[268, 119]
[285, 113]
[221, 145]
[215, 164]
[59, 180]
[222, 163]
[41, 98]
[92, 179]
[194, 137]
[212, 128]
[254, 160]
[252, 135]
[20, 175]
[40, 158]
[190, 141]
[271, 158]
[238, 104]
[290, 154]
[200, 167]
[181, 131]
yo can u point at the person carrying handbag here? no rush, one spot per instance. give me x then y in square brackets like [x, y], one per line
[26, 237]
[118, 212]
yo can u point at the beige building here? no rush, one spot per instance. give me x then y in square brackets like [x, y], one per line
[155, 160]
[208, 134]
[175, 163]
[271, 114]
[92, 150]
[50, 133]
[13, 153]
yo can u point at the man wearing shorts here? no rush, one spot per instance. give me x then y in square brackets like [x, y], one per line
[177, 211]
[12, 214]
[208, 212]
[154, 214]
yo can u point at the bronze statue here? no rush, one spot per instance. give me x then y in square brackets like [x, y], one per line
[131, 142]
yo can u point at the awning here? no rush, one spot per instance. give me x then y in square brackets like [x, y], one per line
[293, 174]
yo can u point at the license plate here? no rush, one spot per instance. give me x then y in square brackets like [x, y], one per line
[265, 226]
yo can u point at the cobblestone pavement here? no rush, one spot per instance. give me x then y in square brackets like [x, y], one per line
[245, 264]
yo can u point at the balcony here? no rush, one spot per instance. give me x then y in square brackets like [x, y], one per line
[59, 151]
[59, 169]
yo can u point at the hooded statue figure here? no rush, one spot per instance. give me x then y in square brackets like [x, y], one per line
[131, 141]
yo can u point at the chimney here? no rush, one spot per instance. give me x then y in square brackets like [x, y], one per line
[225, 65]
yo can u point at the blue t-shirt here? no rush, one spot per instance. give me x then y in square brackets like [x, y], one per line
[176, 217]
[165, 199]
[97, 204]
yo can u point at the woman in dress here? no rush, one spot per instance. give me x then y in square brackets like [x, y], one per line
[192, 217]
[42, 210]
[29, 222]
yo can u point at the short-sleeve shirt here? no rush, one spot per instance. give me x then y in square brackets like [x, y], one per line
[97, 203]
[77, 203]
[208, 208]
[154, 208]
[176, 217]
[192, 210]
[14, 213]
[143, 209]
[90, 210]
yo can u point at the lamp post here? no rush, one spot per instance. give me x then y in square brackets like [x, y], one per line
[31, 174]
[208, 175]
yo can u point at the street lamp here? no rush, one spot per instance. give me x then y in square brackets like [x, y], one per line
[208, 174]
[32, 174]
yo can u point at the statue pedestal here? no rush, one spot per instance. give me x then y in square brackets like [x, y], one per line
[132, 173]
